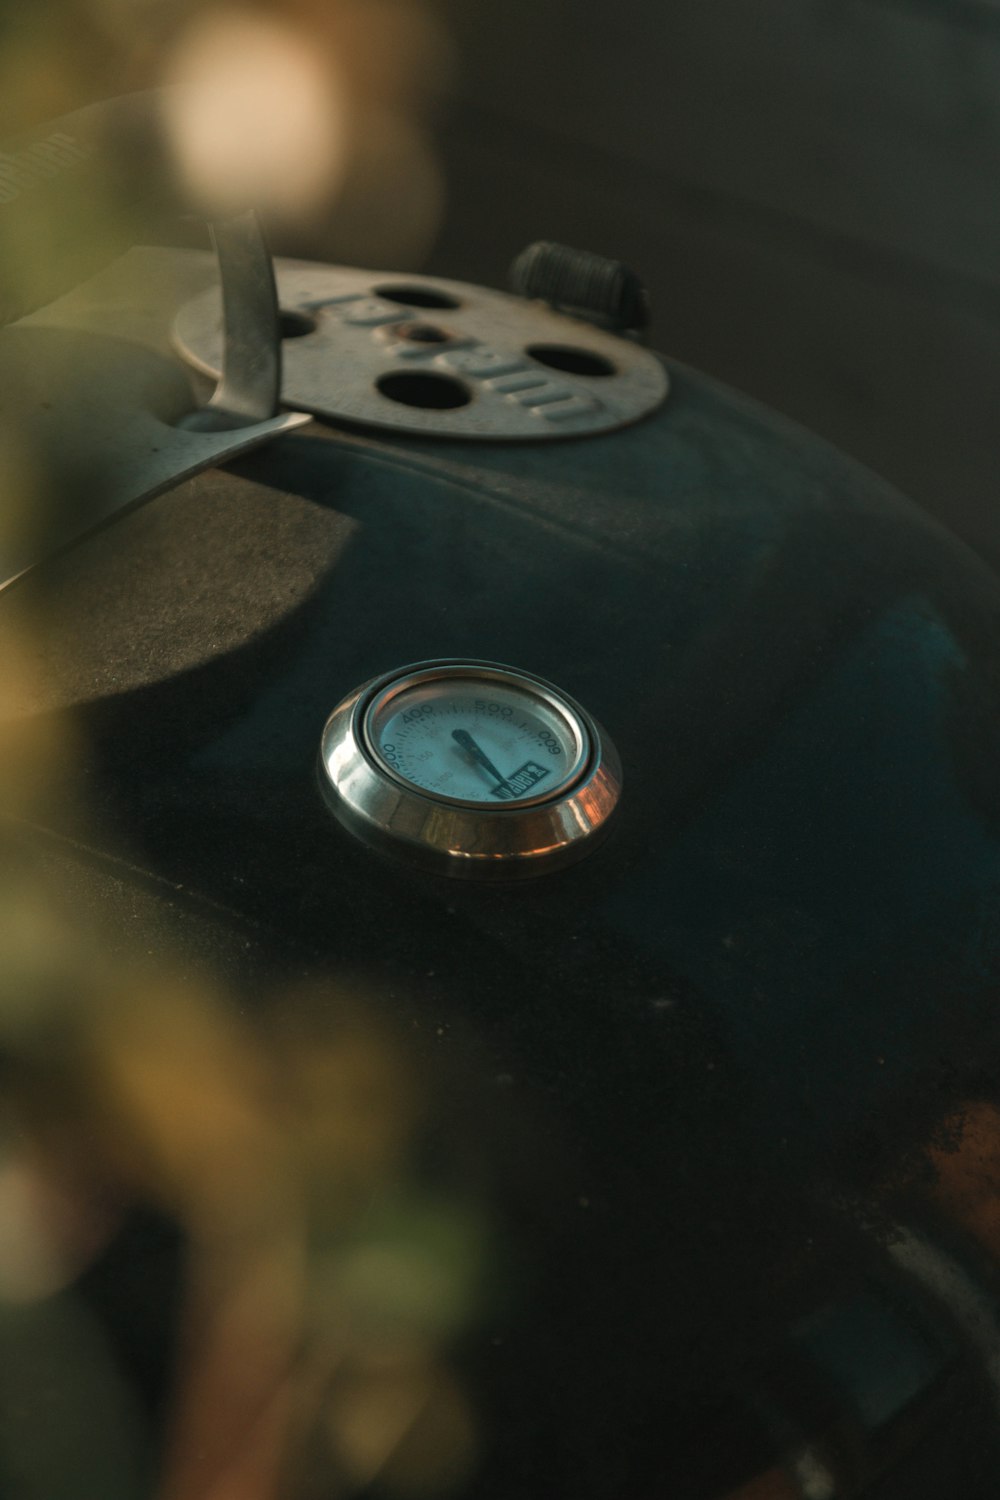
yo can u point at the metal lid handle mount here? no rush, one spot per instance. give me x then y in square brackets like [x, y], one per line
[81, 190]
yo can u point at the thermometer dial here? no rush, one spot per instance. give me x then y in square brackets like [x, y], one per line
[469, 767]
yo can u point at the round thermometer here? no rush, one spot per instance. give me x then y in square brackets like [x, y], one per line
[470, 768]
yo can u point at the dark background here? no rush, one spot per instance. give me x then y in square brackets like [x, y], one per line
[810, 188]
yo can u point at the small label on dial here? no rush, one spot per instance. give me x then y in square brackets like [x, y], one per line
[520, 781]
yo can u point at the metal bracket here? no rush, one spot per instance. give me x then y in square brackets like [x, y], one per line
[251, 361]
[100, 409]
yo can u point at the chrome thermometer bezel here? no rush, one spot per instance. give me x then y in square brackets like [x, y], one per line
[474, 839]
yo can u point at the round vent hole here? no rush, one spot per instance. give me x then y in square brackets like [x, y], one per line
[430, 392]
[295, 325]
[417, 296]
[571, 359]
[422, 333]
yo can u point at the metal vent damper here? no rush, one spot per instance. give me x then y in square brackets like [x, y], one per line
[439, 358]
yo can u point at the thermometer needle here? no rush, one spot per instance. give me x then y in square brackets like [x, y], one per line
[464, 738]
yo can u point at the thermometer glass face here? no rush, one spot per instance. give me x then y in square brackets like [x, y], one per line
[480, 740]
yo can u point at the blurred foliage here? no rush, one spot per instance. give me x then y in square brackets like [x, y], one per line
[380, 64]
[313, 1279]
[325, 1277]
